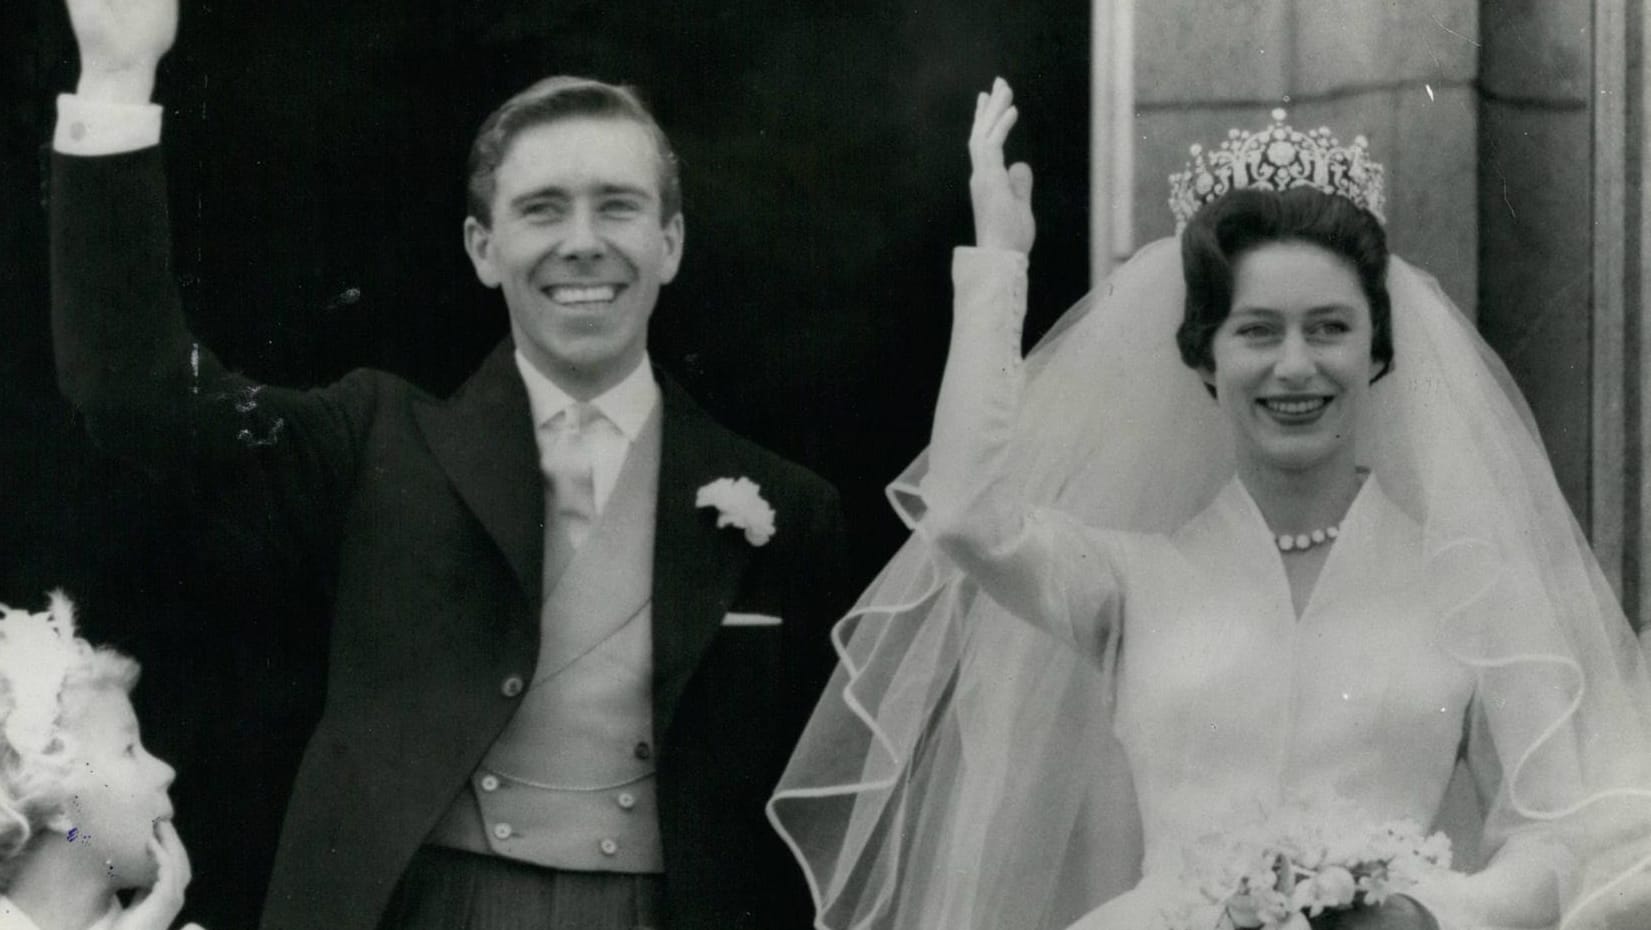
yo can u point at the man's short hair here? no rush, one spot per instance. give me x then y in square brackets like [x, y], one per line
[558, 98]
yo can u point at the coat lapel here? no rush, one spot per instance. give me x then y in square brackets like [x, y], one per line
[483, 439]
[697, 567]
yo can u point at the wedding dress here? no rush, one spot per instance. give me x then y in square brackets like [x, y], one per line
[1088, 657]
[1229, 704]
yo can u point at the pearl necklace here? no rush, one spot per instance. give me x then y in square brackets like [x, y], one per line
[1300, 542]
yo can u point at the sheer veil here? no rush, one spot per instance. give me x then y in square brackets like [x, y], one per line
[960, 771]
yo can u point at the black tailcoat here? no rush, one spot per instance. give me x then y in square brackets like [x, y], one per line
[423, 519]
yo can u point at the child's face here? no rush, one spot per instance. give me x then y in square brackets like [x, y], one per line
[117, 790]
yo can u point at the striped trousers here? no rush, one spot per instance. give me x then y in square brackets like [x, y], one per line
[449, 889]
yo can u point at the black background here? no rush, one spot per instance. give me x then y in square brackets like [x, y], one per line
[315, 150]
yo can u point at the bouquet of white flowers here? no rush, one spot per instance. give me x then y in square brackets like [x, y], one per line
[1298, 862]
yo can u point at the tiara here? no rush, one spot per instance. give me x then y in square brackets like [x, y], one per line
[37, 652]
[1278, 158]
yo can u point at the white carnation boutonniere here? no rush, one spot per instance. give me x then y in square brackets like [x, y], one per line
[739, 504]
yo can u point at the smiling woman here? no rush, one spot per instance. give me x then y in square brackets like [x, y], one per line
[1290, 368]
[1095, 491]
[1288, 321]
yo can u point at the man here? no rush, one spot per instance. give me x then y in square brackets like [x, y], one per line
[576, 625]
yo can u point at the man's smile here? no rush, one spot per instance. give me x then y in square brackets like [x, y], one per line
[578, 295]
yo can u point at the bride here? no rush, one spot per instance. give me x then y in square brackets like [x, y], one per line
[1260, 521]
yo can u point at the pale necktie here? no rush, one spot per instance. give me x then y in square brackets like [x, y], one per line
[570, 492]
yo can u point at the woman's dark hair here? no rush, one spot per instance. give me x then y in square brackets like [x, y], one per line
[1226, 228]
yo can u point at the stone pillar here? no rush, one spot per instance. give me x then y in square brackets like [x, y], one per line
[1620, 433]
[1535, 215]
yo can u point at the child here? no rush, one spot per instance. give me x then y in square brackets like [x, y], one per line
[84, 811]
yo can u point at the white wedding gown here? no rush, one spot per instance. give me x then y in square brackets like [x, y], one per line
[965, 771]
[1227, 702]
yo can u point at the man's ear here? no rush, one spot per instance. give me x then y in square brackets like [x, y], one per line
[478, 242]
[676, 232]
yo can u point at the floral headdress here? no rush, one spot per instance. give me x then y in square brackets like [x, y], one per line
[1278, 158]
[37, 653]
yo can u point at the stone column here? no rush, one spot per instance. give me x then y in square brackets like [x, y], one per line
[1620, 434]
[1535, 79]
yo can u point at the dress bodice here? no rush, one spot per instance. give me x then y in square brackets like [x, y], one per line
[1418, 648]
[1228, 703]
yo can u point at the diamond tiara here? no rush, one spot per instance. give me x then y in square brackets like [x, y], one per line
[1278, 158]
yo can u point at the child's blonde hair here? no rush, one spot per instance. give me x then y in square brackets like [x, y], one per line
[46, 673]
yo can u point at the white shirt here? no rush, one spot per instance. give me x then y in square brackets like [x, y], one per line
[624, 410]
[95, 127]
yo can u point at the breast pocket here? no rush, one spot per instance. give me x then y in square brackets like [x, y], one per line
[733, 618]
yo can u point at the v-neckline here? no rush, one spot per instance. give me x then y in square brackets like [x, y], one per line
[1350, 528]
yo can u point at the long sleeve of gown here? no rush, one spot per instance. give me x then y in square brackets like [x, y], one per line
[1039, 564]
[1527, 873]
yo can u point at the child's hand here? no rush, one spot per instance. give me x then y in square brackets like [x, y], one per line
[155, 908]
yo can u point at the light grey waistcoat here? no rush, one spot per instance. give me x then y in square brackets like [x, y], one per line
[569, 783]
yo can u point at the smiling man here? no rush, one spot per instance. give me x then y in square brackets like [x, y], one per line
[576, 215]
[576, 624]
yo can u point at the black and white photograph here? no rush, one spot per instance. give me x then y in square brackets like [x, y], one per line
[943, 465]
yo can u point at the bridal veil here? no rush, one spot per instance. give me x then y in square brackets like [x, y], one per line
[960, 770]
